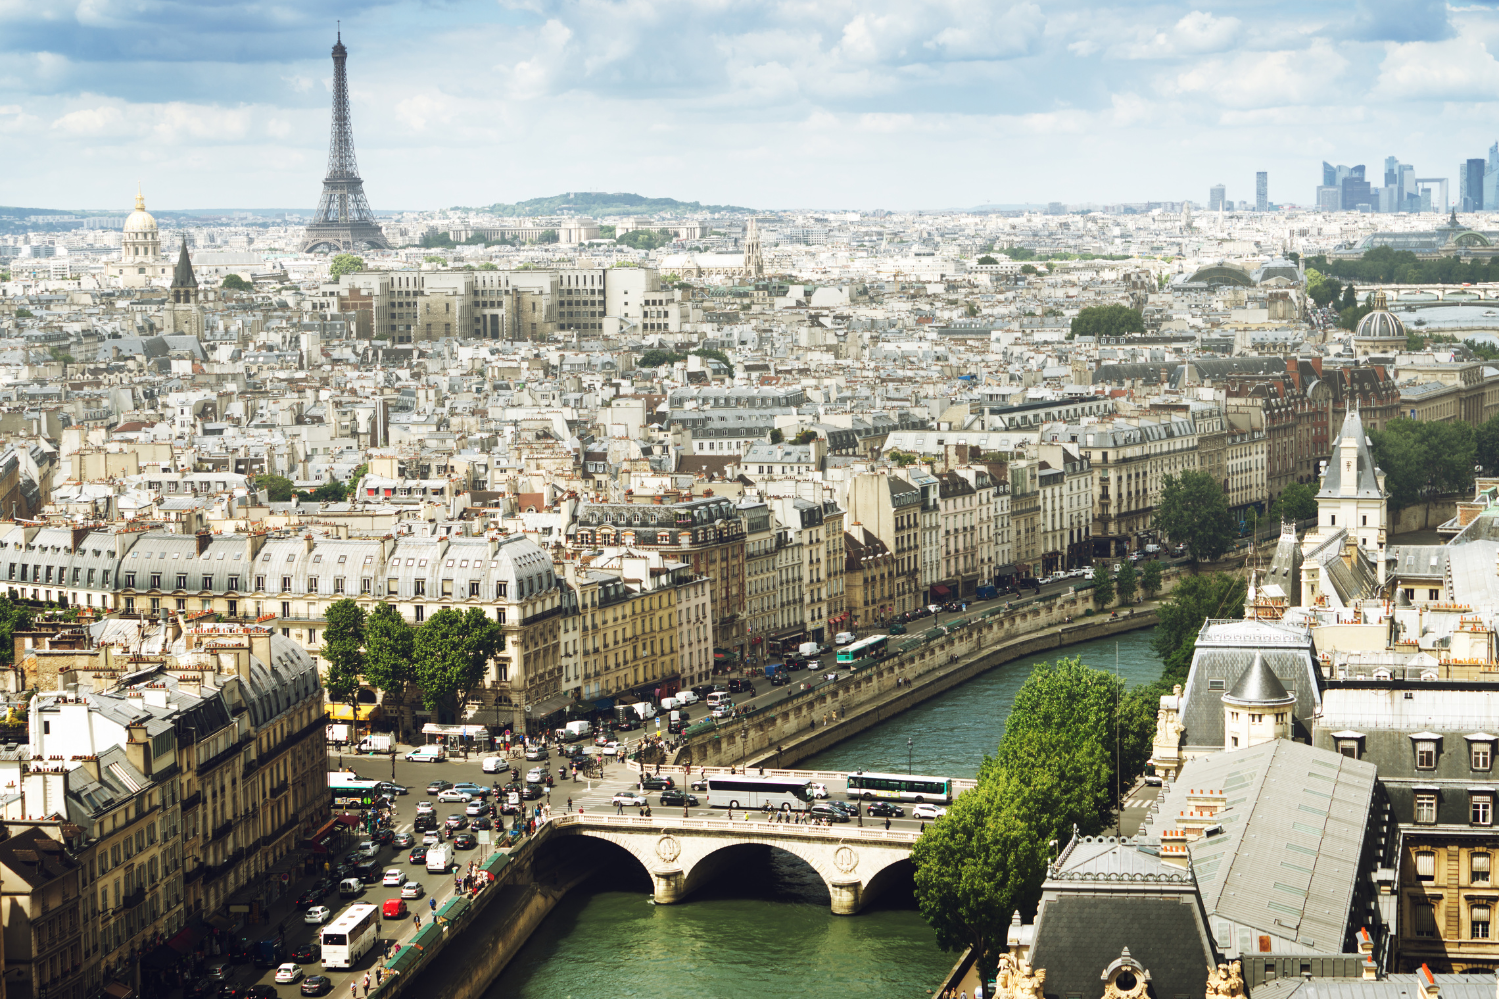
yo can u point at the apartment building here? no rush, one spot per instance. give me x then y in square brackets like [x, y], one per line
[929, 526]
[45, 877]
[818, 526]
[760, 579]
[695, 630]
[1025, 516]
[1245, 483]
[637, 631]
[890, 508]
[1066, 507]
[869, 573]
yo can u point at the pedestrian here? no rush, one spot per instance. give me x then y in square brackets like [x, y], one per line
[887, 823]
[366, 983]
[432, 903]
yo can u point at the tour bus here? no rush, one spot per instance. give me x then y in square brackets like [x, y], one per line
[763, 793]
[874, 645]
[349, 791]
[900, 787]
[351, 935]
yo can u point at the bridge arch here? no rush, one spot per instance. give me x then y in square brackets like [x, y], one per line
[680, 854]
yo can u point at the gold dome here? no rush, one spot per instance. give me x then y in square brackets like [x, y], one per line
[140, 220]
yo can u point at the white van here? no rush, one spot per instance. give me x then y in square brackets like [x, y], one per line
[843, 638]
[426, 754]
[578, 730]
[437, 859]
[719, 697]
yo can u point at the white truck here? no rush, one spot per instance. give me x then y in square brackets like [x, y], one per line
[644, 709]
[377, 743]
[576, 730]
[808, 649]
[437, 859]
[338, 734]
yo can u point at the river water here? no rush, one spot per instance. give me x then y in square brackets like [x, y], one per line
[764, 929]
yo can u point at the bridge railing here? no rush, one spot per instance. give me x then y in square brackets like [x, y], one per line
[840, 831]
[960, 784]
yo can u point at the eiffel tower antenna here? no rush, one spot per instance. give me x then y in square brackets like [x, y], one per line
[343, 220]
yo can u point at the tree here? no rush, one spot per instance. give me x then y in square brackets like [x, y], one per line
[277, 488]
[332, 491]
[14, 617]
[233, 282]
[451, 652]
[547, 236]
[714, 353]
[60, 355]
[1297, 502]
[343, 648]
[436, 240]
[804, 437]
[1423, 459]
[654, 358]
[1028, 268]
[344, 263]
[433, 258]
[1103, 585]
[1150, 579]
[1319, 289]
[1126, 582]
[1192, 511]
[1192, 601]
[1349, 299]
[388, 642]
[25, 313]
[776, 436]
[1107, 320]
[986, 259]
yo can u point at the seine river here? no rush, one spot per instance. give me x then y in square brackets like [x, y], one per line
[765, 929]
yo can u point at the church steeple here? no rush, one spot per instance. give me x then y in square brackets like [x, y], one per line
[184, 281]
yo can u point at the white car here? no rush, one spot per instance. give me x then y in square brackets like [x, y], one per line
[317, 915]
[430, 838]
[393, 877]
[288, 973]
[628, 798]
[412, 889]
[496, 764]
[475, 807]
[608, 749]
[935, 608]
[536, 775]
[687, 697]
[819, 790]
[453, 794]
[425, 808]
[926, 810]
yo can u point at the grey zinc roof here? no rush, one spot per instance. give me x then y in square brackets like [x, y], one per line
[1225, 649]
[1367, 485]
[1257, 685]
[1106, 857]
[1079, 935]
[1479, 985]
[1287, 860]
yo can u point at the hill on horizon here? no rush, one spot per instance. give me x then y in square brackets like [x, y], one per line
[602, 204]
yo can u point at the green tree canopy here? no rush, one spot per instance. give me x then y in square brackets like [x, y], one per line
[343, 649]
[1193, 600]
[776, 436]
[643, 239]
[332, 491]
[275, 488]
[233, 282]
[1103, 584]
[1422, 459]
[1107, 320]
[656, 357]
[547, 236]
[14, 617]
[1126, 582]
[388, 643]
[804, 437]
[60, 355]
[1150, 579]
[1297, 502]
[344, 263]
[1193, 511]
[986, 259]
[451, 651]
[714, 353]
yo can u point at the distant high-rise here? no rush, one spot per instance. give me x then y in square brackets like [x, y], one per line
[1262, 191]
[1470, 185]
[1356, 190]
[1329, 175]
[343, 220]
[1216, 200]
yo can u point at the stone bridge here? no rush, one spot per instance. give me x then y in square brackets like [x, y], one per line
[681, 854]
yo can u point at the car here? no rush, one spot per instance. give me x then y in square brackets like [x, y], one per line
[422, 823]
[536, 775]
[317, 985]
[653, 783]
[827, 810]
[386, 785]
[895, 629]
[819, 790]
[454, 795]
[417, 856]
[228, 991]
[609, 749]
[260, 992]
[394, 876]
[672, 796]
[1153, 780]
[482, 822]
[884, 810]
[382, 836]
[413, 889]
[474, 808]
[475, 790]
[628, 798]
[430, 838]
[456, 821]
[307, 953]
[402, 840]
[205, 988]
[310, 897]
[927, 810]
[935, 608]
[628, 723]
[425, 808]
[438, 786]
[780, 679]
[465, 841]
[534, 753]
[851, 809]
[741, 687]
[533, 792]
[317, 915]
[495, 765]
[366, 848]
[572, 751]
[288, 973]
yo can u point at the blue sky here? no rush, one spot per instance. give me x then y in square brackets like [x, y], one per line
[768, 103]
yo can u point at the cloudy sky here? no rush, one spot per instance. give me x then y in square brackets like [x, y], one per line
[766, 103]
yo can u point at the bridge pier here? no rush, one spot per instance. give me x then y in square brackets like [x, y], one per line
[848, 897]
[668, 886]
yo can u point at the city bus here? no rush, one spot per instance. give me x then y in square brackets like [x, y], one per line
[351, 935]
[349, 791]
[874, 645]
[764, 793]
[900, 787]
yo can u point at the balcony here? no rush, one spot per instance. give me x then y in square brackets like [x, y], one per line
[277, 790]
[221, 831]
[192, 801]
[134, 898]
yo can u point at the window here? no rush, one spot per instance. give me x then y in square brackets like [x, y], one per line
[155, 580]
[260, 582]
[1426, 755]
[1433, 594]
[418, 589]
[473, 587]
[1478, 920]
[285, 582]
[1349, 748]
[181, 580]
[365, 584]
[233, 583]
[1481, 755]
[338, 584]
[1481, 809]
[311, 584]
[1426, 919]
[1426, 865]
[392, 586]
[1478, 868]
[1216, 685]
[419, 612]
[1426, 808]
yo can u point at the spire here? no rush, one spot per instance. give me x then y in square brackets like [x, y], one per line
[343, 220]
[140, 199]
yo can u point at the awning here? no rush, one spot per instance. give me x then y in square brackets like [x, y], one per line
[117, 990]
[604, 704]
[347, 818]
[472, 731]
[186, 939]
[342, 712]
[319, 839]
[940, 590]
[550, 706]
[1005, 570]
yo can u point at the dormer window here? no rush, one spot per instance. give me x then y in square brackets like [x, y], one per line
[1426, 754]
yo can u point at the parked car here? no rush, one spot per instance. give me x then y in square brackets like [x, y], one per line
[672, 796]
[317, 915]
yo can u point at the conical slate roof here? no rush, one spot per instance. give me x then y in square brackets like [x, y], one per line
[183, 276]
[1366, 482]
[1258, 684]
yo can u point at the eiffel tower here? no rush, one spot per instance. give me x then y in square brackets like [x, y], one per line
[343, 220]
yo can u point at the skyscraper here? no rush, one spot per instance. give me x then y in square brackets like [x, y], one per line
[1262, 192]
[1356, 189]
[1215, 198]
[1470, 185]
[343, 220]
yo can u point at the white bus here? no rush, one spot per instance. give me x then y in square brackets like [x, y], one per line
[900, 787]
[351, 935]
[765, 793]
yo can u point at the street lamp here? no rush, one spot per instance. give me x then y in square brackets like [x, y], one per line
[908, 757]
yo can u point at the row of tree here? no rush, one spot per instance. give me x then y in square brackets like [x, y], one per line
[1422, 459]
[1383, 265]
[280, 489]
[1106, 320]
[447, 655]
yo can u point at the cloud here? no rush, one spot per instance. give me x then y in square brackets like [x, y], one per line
[1197, 33]
[1400, 21]
[1460, 69]
[1263, 79]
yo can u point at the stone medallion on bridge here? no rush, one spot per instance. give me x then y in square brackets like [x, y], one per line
[668, 848]
[845, 860]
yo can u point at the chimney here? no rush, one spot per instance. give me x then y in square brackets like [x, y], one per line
[90, 764]
[1428, 983]
[138, 747]
[260, 648]
[204, 540]
[1174, 848]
